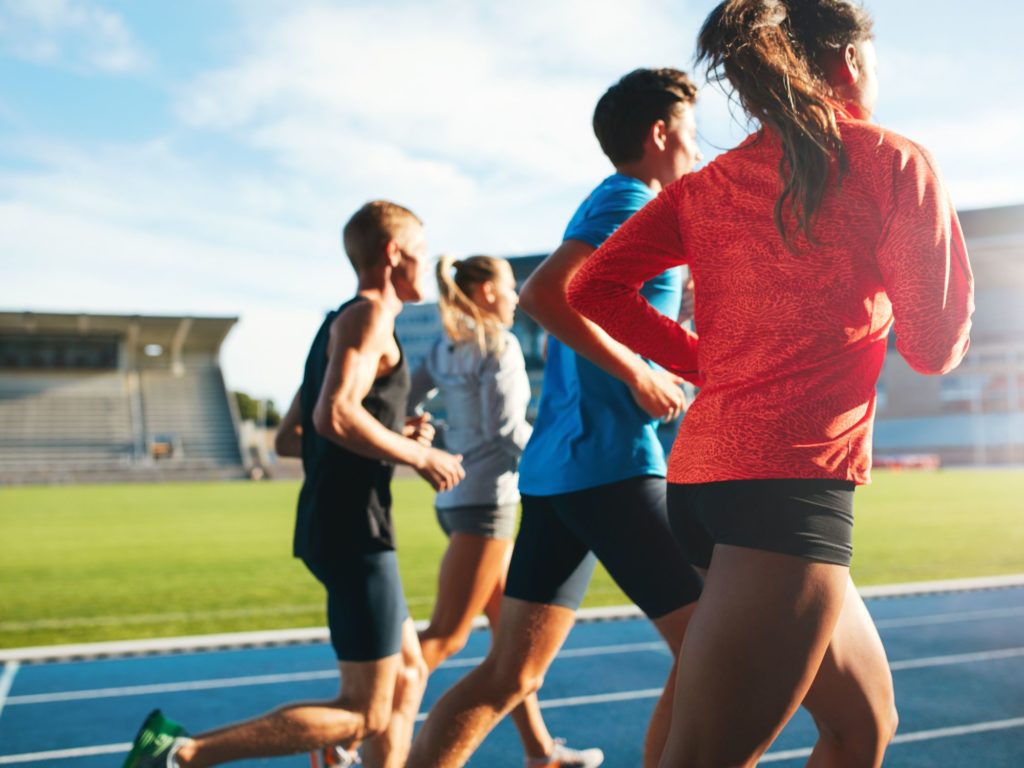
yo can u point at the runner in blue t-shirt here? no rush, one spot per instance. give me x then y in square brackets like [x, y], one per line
[592, 476]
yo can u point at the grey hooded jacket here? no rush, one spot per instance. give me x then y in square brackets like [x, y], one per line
[485, 396]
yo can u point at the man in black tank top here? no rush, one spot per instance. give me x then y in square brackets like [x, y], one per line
[347, 423]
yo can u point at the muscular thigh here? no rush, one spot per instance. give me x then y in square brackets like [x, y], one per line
[853, 687]
[762, 626]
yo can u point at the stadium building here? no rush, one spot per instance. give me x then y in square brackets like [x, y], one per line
[974, 415]
[114, 397]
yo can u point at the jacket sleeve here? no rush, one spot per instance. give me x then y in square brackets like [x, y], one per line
[502, 383]
[924, 265]
[606, 289]
[421, 388]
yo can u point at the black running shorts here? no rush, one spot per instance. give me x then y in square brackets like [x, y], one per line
[812, 519]
[624, 524]
[365, 604]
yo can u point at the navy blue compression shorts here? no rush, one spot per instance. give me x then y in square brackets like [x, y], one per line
[623, 524]
[365, 604]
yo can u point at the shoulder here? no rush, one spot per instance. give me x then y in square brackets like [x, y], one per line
[864, 138]
[369, 319]
[508, 356]
[890, 159]
[511, 351]
[619, 192]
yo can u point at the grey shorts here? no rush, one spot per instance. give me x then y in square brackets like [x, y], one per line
[492, 521]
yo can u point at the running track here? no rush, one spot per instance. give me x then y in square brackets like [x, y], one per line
[957, 659]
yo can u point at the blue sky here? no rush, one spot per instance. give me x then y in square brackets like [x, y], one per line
[200, 156]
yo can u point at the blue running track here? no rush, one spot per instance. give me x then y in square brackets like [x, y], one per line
[957, 658]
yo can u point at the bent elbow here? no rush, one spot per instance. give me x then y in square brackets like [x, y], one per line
[281, 444]
[529, 300]
[577, 301]
[581, 298]
[327, 426]
[936, 362]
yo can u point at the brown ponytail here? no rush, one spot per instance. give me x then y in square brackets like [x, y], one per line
[773, 54]
[462, 318]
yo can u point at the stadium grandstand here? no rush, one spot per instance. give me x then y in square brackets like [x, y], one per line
[89, 397]
[974, 416]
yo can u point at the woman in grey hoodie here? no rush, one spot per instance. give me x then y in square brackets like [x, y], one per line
[479, 369]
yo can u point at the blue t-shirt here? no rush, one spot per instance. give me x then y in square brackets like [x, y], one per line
[589, 430]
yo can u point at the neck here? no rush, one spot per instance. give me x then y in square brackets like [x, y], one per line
[378, 287]
[643, 172]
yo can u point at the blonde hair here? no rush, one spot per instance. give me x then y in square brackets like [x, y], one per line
[367, 233]
[463, 319]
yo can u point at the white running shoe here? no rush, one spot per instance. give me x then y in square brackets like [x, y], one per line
[334, 757]
[566, 757]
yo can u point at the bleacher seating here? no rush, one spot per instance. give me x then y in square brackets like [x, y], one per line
[53, 420]
[192, 409]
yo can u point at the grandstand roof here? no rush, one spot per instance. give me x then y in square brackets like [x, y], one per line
[193, 334]
[1006, 222]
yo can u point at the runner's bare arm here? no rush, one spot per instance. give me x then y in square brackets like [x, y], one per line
[543, 297]
[360, 338]
[288, 440]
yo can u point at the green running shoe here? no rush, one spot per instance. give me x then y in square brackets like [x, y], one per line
[155, 743]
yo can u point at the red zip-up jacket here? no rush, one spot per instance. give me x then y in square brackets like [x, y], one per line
[791, 342]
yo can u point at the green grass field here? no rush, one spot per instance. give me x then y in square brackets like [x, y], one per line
[89, 563]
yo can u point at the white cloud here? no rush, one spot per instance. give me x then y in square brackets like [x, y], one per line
[74, 34]
[476, 115]
[966, 121]
[494, 91]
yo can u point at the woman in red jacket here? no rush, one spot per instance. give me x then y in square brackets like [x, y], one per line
[806, 243]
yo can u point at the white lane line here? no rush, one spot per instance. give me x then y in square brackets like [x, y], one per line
[107, 749]
[191, 685]
[957, 658]
[959, 730]
[949, 618]
[601, 698]
[72, 622]
[907, 738]
[575, 701]
[6, 681]
[294, 677]
[238, 682]
[912, 588]
[319, 634]
[65, 754]
[578, 653]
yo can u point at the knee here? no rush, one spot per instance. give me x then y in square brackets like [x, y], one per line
[446, 644]
[511, 684]
[863, 737]
[375, 721]
[414, 672]
[892, 722]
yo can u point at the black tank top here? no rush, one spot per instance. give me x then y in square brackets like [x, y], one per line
[345, 502]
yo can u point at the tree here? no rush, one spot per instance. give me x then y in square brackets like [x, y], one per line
[249, 410]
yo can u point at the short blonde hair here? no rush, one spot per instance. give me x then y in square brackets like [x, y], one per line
[371, 228]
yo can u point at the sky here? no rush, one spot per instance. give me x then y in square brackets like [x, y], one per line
[199, 157]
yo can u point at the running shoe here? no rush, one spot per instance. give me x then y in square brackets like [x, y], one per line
[566, 757]
[334, 757]
[156, 742]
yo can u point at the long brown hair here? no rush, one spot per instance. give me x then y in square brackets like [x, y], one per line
[773, 53]
[463, 319]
